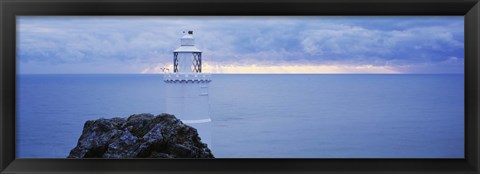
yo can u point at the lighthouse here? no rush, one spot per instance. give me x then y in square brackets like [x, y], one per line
[187, 88]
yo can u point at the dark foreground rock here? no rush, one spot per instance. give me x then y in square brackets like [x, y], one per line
[139, 136]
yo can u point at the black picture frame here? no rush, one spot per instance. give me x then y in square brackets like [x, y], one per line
[9, 9]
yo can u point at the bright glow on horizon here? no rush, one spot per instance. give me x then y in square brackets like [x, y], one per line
[284, 69]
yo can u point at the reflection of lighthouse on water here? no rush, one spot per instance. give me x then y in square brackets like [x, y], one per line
[187, 88]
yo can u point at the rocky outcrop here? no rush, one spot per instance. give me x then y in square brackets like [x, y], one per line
[139, 136]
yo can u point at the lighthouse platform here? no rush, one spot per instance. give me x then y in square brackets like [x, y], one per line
[186, 77]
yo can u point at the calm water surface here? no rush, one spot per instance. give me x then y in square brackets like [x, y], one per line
[262, 116]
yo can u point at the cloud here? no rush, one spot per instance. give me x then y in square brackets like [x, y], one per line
[309, 41]
[353, 43]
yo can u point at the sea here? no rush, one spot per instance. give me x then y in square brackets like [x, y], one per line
[261, 116]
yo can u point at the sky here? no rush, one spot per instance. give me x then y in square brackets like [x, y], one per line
[248, 44]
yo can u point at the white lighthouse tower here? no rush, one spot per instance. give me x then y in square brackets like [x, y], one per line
[187, 88]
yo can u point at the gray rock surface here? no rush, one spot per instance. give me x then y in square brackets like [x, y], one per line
[139, 136]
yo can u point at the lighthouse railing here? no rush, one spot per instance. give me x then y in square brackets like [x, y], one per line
[187, 77]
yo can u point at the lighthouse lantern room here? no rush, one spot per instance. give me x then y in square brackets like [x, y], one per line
[187, 88]
[187, 58]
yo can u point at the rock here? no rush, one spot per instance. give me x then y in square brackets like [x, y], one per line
[139, 136]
